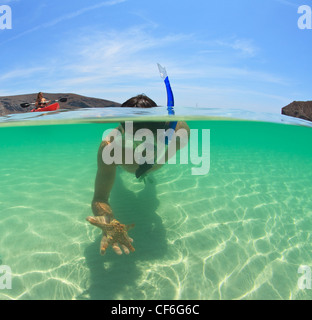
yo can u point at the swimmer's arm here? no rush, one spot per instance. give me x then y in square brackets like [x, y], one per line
[104, 182]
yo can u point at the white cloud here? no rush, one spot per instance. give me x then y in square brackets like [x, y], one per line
[288, 3]
[118, 54]
[8, 1]
[65, 17]
[21, 73]
[81, 12]
[116, 64]
[244, 47]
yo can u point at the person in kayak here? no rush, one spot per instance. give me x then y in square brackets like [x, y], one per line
[115, 233]
[41, 102]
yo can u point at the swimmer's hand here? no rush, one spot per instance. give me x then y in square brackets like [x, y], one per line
[114, 234]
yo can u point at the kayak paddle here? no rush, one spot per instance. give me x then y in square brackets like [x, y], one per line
[26, 105]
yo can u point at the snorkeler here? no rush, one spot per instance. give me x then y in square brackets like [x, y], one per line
[115, 233]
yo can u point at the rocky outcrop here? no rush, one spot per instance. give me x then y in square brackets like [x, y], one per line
[11, 104]
[299, 109]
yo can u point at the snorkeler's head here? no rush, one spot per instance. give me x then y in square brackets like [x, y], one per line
[139, 101]
[142, 101]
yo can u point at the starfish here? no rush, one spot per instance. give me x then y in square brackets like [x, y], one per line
[113, 233]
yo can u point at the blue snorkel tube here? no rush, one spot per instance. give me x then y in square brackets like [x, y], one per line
[141, 171]
[170, 98]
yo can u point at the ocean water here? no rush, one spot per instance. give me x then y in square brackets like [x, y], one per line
[239, 232]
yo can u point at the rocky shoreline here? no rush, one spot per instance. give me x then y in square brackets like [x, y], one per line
[299, 109]
[11, 104]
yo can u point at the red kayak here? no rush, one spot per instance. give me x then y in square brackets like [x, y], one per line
[51, 107]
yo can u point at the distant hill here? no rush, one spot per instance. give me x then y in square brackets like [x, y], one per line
[11, 104]
[299, 109]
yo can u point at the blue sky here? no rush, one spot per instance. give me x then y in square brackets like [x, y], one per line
[218, 53]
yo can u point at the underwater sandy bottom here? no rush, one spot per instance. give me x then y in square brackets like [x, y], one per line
[240, 232]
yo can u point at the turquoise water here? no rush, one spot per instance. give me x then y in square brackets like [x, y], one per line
[239, 232]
